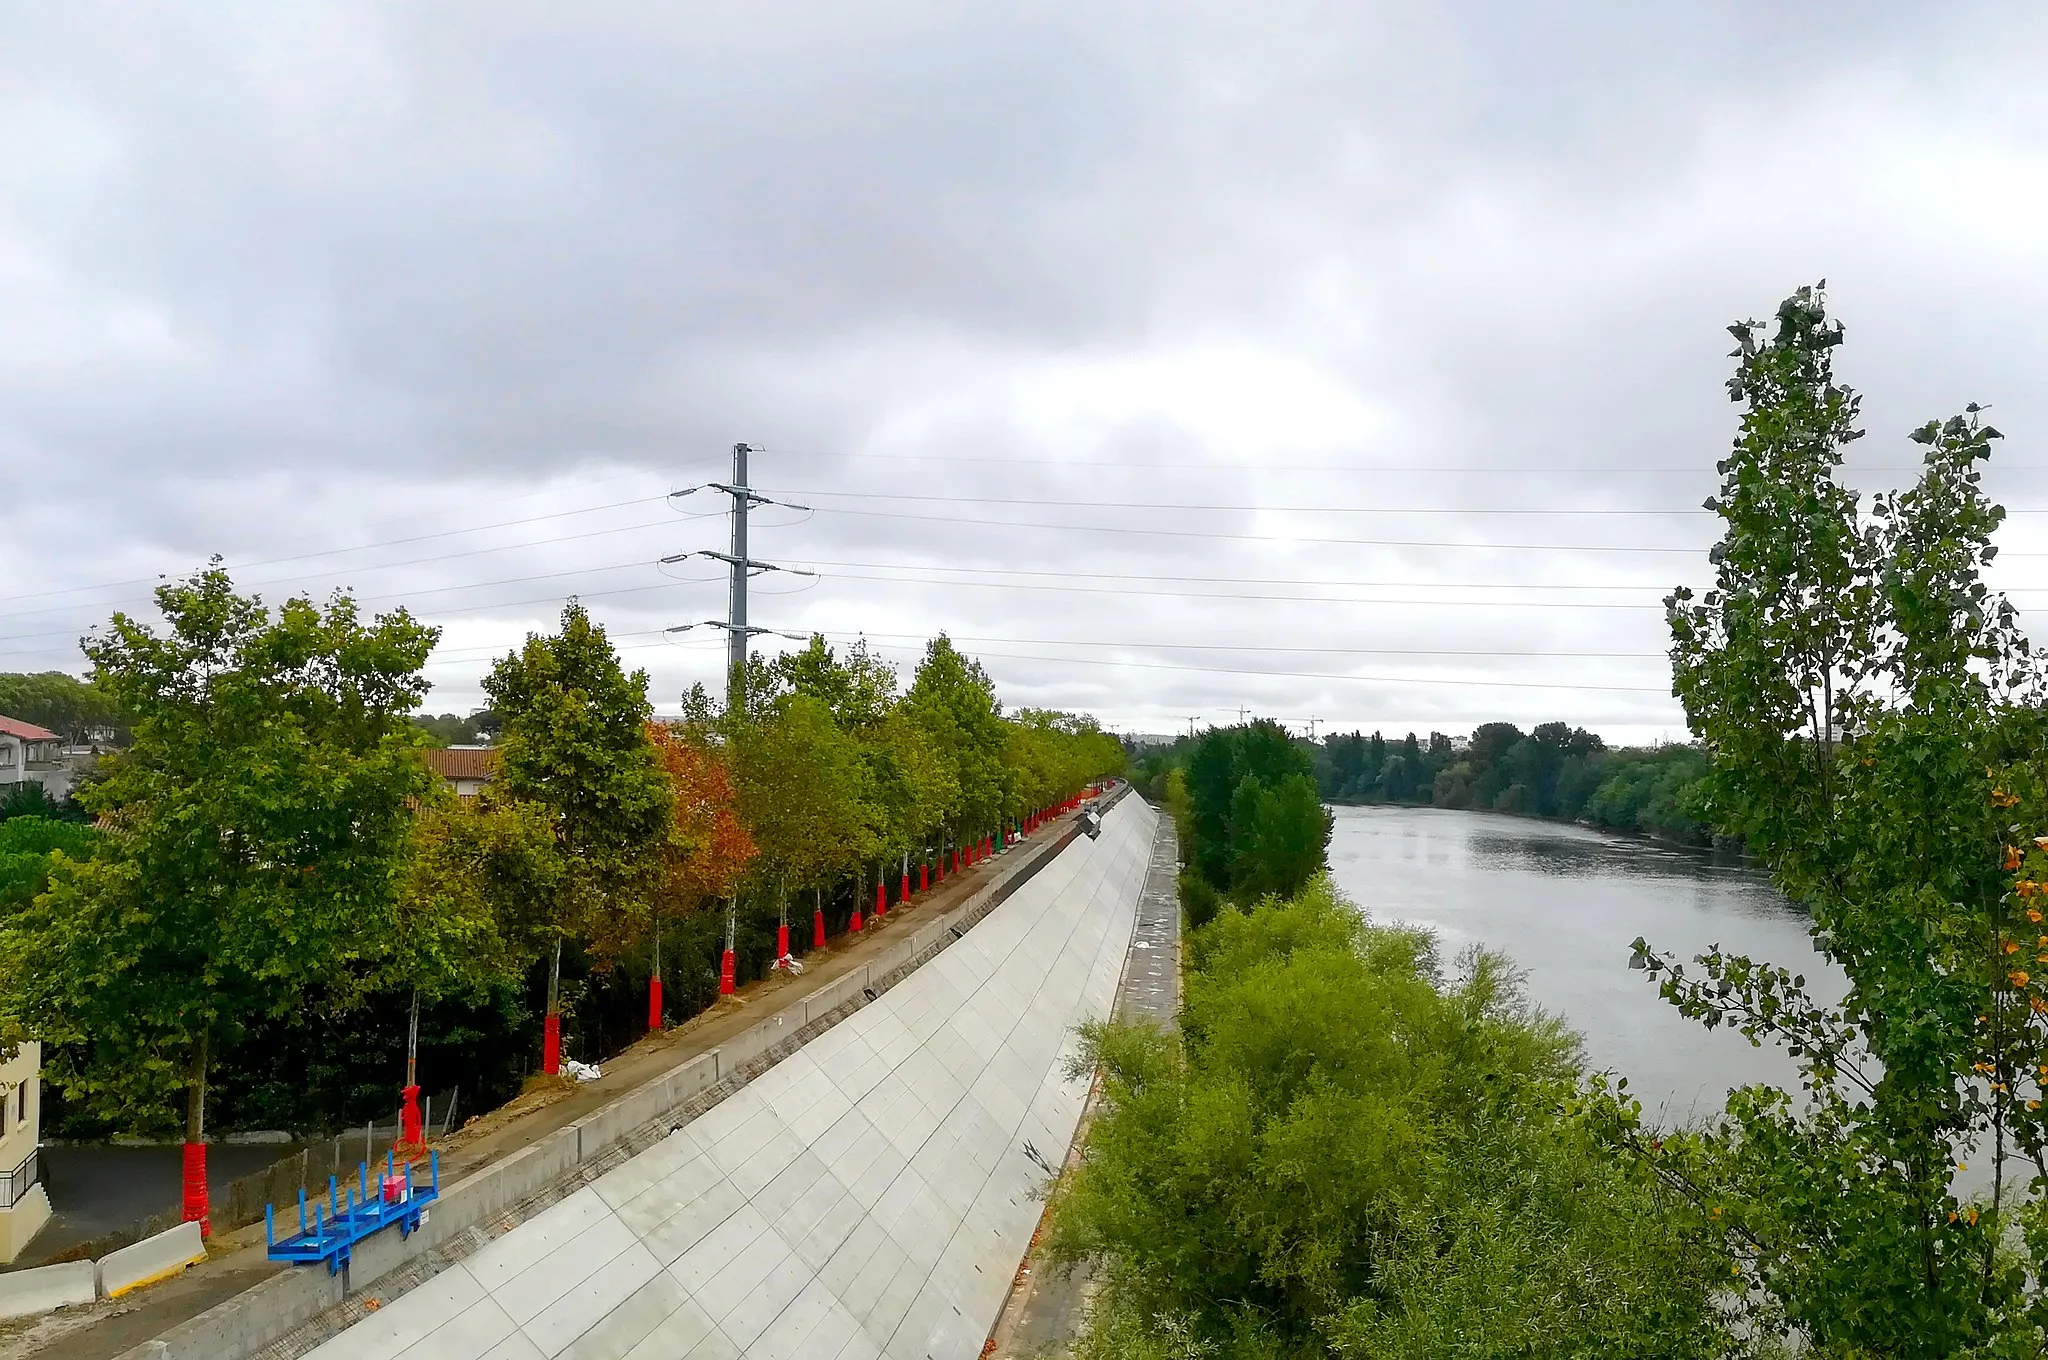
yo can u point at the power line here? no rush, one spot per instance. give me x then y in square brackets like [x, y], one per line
[1249, 507]
[1459, 469]
[953, 520]
[1308, 675]
[964, 521]
[1269, 647]
[390, 543]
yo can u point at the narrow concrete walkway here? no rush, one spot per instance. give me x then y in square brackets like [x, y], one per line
[1047, 1308]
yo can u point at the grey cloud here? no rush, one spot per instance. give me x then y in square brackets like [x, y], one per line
[279, 278]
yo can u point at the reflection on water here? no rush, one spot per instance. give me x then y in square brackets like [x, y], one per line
[1565, 902]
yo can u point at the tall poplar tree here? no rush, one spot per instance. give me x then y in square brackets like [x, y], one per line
[1872, 712]
[575, 742]
[954, 701]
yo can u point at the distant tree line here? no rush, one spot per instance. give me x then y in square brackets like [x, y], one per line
[480, 728]
[1554, 770]
[77, 710]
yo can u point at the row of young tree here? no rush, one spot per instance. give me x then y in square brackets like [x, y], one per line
[1354, 1154]
[275, 873]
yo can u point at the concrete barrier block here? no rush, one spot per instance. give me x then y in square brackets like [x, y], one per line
[694, 1077]
[151, 1259]
[30, 1293]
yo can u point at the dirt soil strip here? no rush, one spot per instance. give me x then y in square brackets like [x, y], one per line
[1047, 1307]
[237, 1260]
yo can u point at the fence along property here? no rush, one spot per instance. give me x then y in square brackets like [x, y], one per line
[241, 1202]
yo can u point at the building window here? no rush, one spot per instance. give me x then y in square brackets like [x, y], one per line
[21, 1103]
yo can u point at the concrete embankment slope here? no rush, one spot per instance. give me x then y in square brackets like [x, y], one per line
[869, 1196]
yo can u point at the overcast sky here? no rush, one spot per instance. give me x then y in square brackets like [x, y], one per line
[1417, 310]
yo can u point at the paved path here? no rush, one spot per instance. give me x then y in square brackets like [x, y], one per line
[1046, 1309]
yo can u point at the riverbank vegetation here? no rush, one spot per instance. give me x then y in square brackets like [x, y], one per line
[1349, 1150]
[276, 878]
[1553, 770]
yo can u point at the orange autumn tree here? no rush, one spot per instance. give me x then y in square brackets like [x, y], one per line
[710, 848]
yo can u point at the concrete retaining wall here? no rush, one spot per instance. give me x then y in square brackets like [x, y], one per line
[26, 1293]
[151, 1259]
[870, 1196]
[627, 1115]
[279, 1306]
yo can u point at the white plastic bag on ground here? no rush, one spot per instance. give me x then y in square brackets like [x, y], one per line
[577, 1071]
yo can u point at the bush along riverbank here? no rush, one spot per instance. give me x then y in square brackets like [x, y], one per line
[1349, 1150]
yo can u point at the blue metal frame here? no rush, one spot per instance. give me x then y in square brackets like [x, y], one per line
[348, 1220]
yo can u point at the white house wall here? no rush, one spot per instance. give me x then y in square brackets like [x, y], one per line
[868, 1197]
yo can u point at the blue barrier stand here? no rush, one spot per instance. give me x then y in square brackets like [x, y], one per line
[331, 1236]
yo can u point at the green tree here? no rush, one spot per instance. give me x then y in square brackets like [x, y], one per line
[27, 845]
[75, 709]
[255, 836]
[952, 699]
[1229, 772]
[473, 910]
[1871, 713]
[804, 793]
[1345, 1154]
[28, 799]
[574, 743]
[1281, 837]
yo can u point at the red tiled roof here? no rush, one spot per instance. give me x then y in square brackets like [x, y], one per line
[27, 731]
[452, 764]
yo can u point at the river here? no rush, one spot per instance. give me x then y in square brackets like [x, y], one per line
[1564, 902]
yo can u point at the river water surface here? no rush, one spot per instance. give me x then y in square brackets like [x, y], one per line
[1564, 902]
